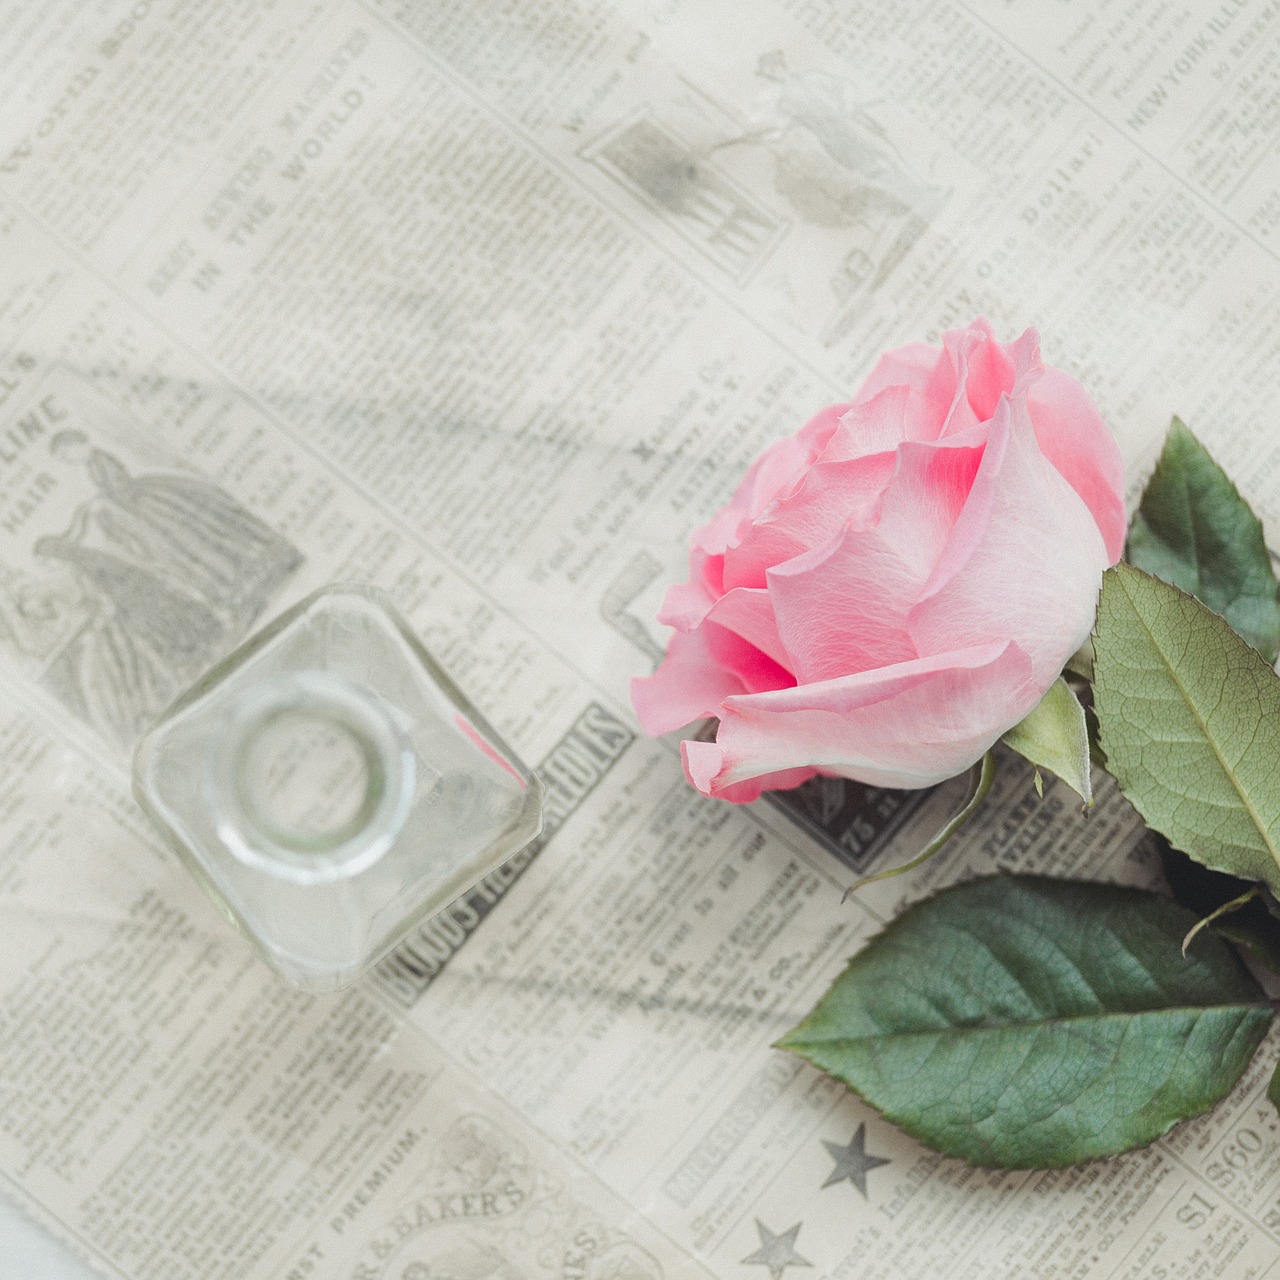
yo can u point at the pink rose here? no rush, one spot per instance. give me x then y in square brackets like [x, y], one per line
[898, 583]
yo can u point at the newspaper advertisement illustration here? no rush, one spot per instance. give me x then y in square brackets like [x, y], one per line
[491, 304]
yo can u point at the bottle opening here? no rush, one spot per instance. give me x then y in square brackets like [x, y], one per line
[309, 781]
[312, 778]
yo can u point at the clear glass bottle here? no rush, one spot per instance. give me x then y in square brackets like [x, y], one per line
[329, 786]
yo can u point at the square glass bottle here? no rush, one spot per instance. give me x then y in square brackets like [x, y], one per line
[330, 787]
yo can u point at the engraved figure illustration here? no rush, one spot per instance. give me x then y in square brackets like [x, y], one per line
[709, 210]
[142, 643]
[482, 1209]
[38, 616]
[462, 1260]
[830, 109]
[476, 1153]
[838, 166]
[169, 569]
[183, 528]
[478, 1188]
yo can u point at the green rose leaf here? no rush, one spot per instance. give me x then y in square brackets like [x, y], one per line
[1026, 1022]
[1055, 737]
[1273, 1089]
[1189, 717]
[1193, 529]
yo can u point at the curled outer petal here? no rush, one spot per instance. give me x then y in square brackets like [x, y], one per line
[908, 725]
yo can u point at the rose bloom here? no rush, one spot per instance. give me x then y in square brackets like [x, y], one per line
[898, 583]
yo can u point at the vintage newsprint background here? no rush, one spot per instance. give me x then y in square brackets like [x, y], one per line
[489, 302]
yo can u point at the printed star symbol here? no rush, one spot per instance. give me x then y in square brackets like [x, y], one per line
[777, 1252]
[852, 1162]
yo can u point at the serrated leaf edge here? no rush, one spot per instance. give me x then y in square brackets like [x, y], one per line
[1120, 571]
[1181, 435]
[967, 1029]
[920, 1133]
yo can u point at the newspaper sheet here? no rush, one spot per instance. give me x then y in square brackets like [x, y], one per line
[490, 302]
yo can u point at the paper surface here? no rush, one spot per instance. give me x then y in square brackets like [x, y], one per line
[490, 302]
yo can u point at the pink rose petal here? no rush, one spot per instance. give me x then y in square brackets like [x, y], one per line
[1072, 435]
[689, 685]
[702, 760]
[881, 424]
[748, 613]
[1031, 532]
[685, 605]
[833, 494]
[909, 366]
[909, 725]
[843, 607]
[776, 472]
